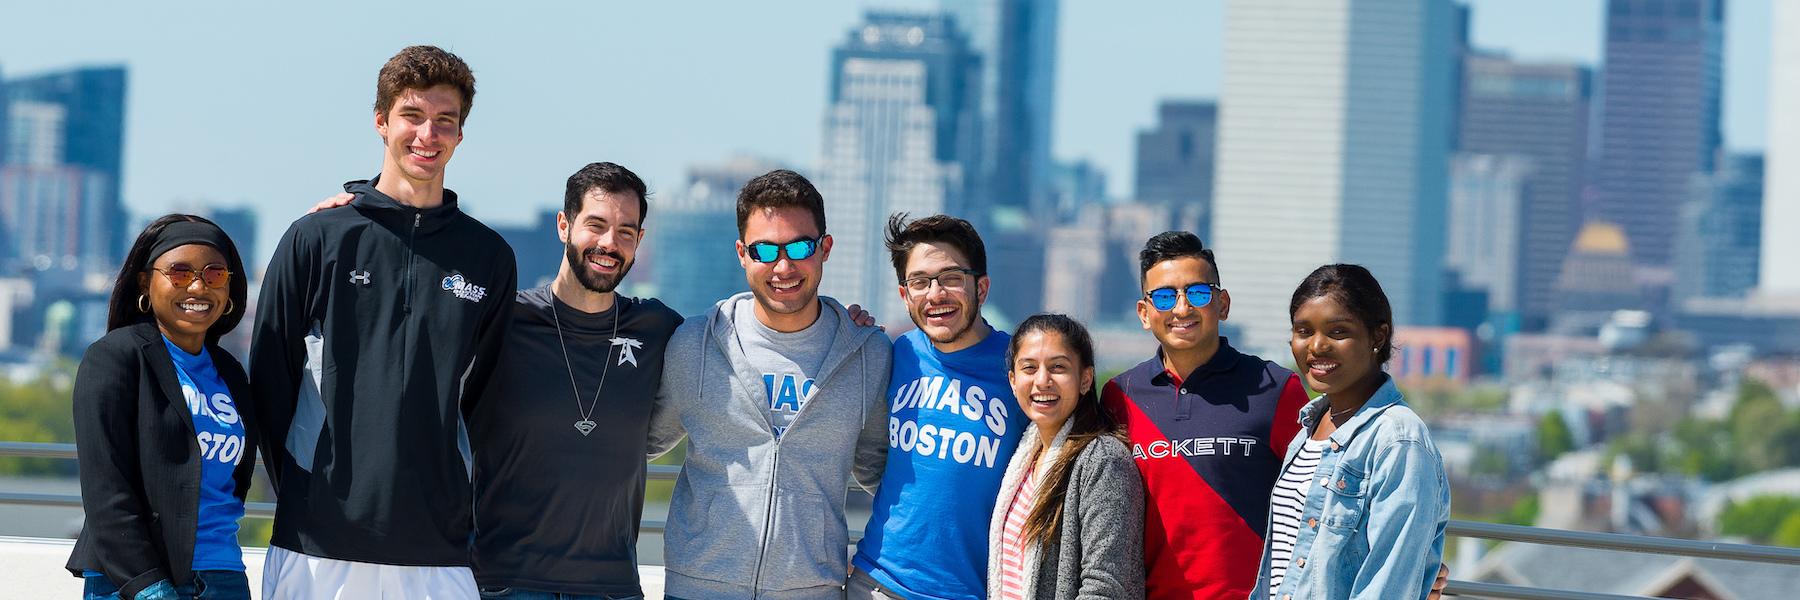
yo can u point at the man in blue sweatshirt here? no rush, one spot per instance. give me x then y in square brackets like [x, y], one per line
[952, 424]
[779, 394]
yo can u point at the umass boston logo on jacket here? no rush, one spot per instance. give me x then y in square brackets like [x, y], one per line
[463, 289]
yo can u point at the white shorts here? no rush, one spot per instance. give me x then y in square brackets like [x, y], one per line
[289, 575]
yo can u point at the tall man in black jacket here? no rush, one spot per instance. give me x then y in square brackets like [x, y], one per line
[371, 326]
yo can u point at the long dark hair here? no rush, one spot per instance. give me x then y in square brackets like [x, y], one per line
[122, 309]
[1356, 289]
[1090, 422]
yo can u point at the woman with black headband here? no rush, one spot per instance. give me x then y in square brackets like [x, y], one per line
[162, 424]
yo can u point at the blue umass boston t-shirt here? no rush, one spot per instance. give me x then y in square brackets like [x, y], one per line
[220, 431]
[952, 427]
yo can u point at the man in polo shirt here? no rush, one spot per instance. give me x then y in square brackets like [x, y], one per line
[1208, 426]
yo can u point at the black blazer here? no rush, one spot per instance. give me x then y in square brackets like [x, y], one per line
[140, 461]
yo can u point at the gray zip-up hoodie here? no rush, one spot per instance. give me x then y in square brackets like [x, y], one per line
[753, 515]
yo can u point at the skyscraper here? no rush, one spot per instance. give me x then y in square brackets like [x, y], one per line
[1334, 135]
[1175, 162]
[1720, 244]
[1660, 116]
[1016, 40]
[895, 140]
[1538, 111]
[1487, 196]
[63, 222]
[1781, 202]
[64, 143]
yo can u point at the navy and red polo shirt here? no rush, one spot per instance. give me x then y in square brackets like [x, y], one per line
[1209, 447]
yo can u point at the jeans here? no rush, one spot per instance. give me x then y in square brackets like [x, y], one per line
[517, 594]
[203, 585]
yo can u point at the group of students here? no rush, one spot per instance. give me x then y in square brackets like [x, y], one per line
[413, 411]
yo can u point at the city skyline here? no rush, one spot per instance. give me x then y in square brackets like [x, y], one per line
[191, 137]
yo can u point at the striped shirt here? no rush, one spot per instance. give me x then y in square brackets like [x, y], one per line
[1012, 538]
[1286, 507]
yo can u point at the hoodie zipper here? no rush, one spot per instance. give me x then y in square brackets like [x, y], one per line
[411, 252]
[768, 519]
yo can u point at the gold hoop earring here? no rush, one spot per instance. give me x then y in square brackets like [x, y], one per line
[143, 304]
[229, 304]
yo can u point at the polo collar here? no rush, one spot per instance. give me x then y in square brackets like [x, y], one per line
[1224, 359]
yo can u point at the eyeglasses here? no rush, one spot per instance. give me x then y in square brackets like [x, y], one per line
[955, 280]
[181, 275]
[768, 252]
[1198, 295]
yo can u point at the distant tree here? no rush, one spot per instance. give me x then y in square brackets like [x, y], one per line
[1788, 532]
[1759, 518]
[1761, 427]
[1554, 436]
[1524, 512]
[1705, 449]
[38, 411]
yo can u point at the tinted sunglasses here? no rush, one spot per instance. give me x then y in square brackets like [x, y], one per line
[1198, 295]
[768, 252]
[182, 275]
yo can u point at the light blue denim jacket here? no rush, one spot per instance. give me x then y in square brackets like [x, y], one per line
[1374, 526]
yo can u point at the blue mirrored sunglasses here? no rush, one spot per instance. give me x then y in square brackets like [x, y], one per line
[766, 252]
[1198, 295]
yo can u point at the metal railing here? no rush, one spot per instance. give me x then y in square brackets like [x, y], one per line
[1467, 529]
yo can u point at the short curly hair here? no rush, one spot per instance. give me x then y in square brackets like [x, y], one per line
[423, 68]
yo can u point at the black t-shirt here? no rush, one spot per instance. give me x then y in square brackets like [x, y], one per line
[557, 510]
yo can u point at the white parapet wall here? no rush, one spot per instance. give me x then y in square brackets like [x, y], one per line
[33, 568]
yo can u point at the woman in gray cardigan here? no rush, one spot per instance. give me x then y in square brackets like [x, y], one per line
[1069, 520]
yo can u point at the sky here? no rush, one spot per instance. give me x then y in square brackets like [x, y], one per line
[270, 105]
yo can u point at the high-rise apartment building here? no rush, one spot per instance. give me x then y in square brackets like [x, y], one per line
[1334, 137]
[1537, 111]
[59, 196]
[894, 141]
[1660, 118]
[1781, 203]
[1175, 162]
[1487, 197]
[1720, 244]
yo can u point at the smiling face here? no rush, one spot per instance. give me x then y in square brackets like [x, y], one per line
[601, 241]
[947, 317]
[1334, 349]
[1186, 328]
[183, 314]
[1048, 379]
[422, 131]
[787, 290]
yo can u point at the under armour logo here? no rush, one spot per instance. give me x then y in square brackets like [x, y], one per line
[361, 277]
[626, 346]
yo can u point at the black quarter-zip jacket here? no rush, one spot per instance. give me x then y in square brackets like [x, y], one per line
[373, 321]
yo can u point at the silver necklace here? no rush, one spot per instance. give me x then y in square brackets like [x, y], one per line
[586, 424]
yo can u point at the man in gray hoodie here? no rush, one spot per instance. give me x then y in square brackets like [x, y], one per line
[780, 396]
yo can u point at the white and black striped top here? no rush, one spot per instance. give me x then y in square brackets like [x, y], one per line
[1286, 507]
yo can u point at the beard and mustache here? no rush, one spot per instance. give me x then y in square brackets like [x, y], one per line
[597, 282]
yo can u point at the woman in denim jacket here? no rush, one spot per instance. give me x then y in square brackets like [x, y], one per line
[1361, 506]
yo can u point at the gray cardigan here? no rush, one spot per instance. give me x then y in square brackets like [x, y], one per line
[1100, 551]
